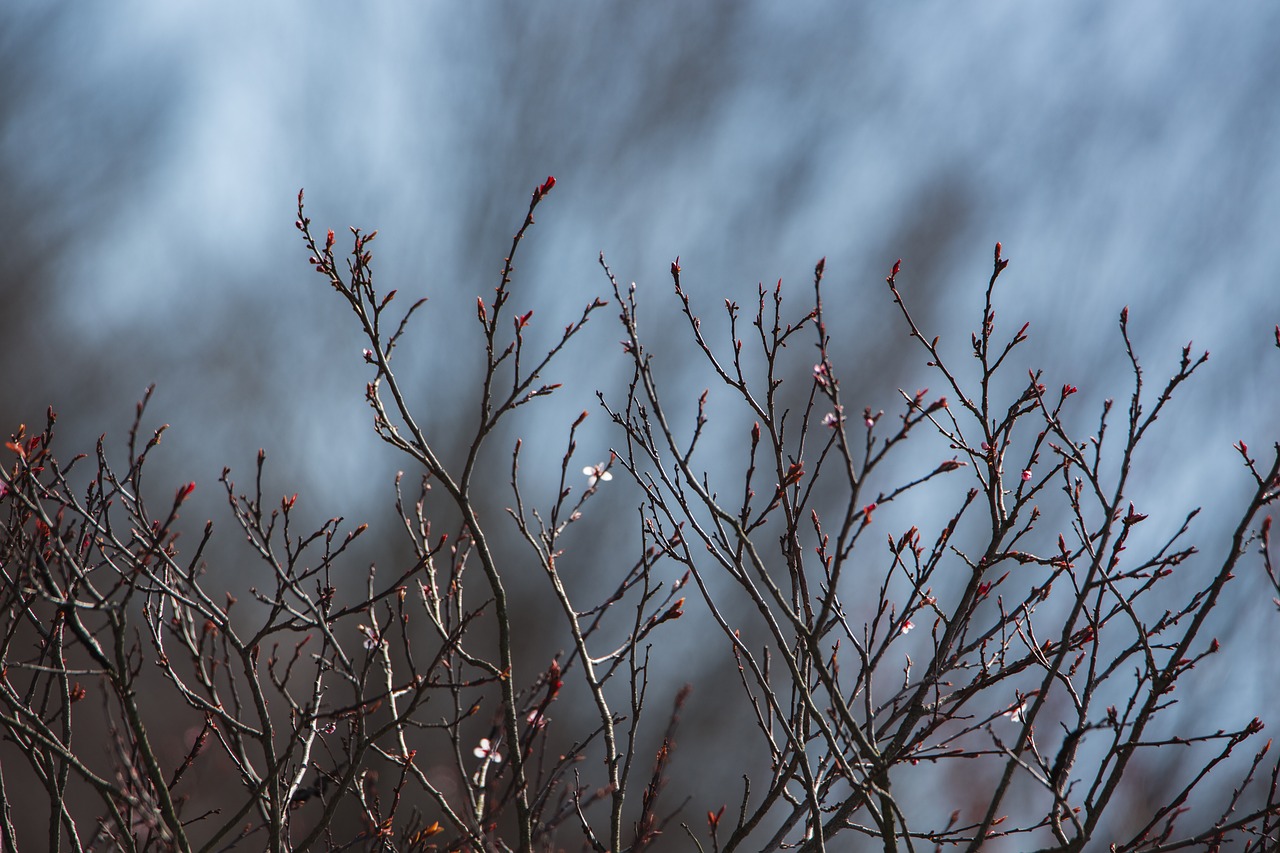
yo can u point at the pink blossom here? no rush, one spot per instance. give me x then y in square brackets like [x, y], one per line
[832, 420]
[907, 626]
[487, 751]
[1026, 475]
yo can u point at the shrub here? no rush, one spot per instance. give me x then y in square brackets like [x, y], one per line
[1029, 644]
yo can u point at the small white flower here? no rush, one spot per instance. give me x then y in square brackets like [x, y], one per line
[1018, 713]
[832, 419]
[536, 719]
[596, 474]
[372, 640]
[487, 751]
[907, 626]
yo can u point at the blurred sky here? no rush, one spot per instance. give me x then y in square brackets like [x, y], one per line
[1125, 154]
